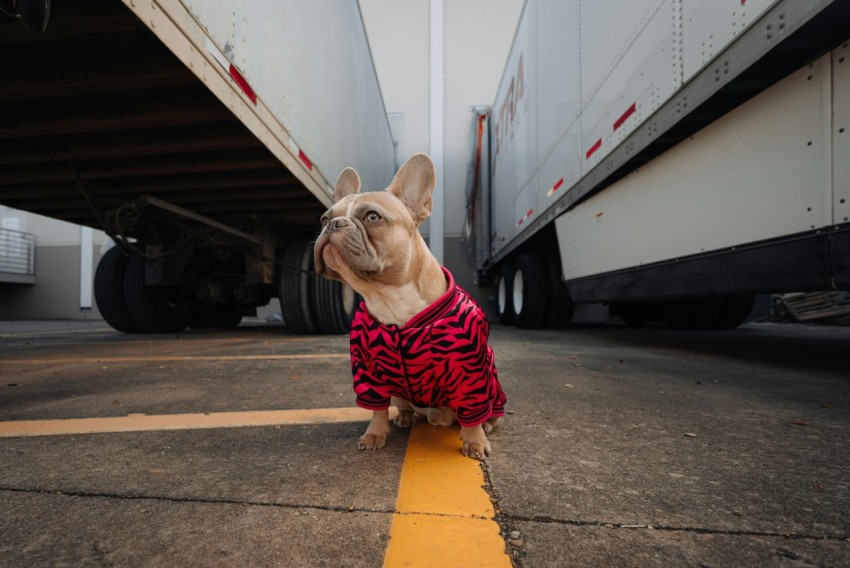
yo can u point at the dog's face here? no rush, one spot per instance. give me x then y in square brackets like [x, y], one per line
[368, 239]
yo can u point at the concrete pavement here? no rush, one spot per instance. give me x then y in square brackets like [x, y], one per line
[627, 447]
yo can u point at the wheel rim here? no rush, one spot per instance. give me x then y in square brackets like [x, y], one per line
[349, 296]
[501, 296]
[518, 289]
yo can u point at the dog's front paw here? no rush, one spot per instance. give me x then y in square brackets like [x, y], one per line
[475, 443]
[371, 441]
[376, 433]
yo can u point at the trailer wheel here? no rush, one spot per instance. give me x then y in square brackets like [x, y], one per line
[295, 290]
[698, 313]
[633, 314]
[704, 313]
[335, 305]
[504, 295]
[109, 291]
[734, 312]
[157, 309]
[227, 315]
[529, 291]
[562, 308]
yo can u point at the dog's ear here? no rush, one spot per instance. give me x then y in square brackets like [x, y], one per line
[414, 185]
[347, 184]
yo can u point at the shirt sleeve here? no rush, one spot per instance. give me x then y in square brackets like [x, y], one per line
[468, 366]
[371, 394]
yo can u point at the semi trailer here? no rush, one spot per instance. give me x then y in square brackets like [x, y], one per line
[670, 159]
[203, 136]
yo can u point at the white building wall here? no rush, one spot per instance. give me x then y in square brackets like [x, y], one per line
[477, 37]
[61, 287]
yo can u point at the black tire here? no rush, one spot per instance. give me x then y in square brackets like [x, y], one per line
[734, 312]
[633, 314]
[296, 289]
[529, 291]
[109, 291]
[561, 306]
[504, 295]
[696, 313]
[157, 309]
[335, 304]
[674, 313]
[704, 313]
[226, 315]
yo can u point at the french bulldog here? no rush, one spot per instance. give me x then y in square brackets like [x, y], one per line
[417, 340]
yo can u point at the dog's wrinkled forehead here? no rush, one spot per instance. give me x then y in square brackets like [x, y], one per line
[342, 208]
[359, 204]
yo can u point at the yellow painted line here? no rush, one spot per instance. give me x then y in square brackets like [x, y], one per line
[145, 423]
[444, 517]
[175, 358]
[33, 334]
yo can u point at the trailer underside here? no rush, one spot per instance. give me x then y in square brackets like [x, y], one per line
[106, 124]
[97, 105]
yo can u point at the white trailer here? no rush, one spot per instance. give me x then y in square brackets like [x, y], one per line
[669, 158]
[203, 136]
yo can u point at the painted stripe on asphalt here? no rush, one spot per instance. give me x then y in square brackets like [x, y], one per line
[444, 517]
[172, 358]
[441, 499]
[33, 334]
[145, 423]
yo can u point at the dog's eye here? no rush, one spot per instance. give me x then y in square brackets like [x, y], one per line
[324, 221]
[372, 217]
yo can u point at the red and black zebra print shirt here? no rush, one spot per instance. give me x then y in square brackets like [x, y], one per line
[439, 358]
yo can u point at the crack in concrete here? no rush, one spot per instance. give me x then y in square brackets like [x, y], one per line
[543, 519]
[516, 546]
[201, 500]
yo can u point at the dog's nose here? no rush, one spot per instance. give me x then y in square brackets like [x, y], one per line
[337, 223]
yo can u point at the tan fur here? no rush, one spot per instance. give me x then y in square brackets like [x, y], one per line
[371, 241]
[387, 262]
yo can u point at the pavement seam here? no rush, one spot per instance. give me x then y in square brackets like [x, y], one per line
[696, 530]
[204, 501]
[516, 547]
[131, 497]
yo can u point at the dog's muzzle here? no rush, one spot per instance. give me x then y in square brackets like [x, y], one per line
[338, 223]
